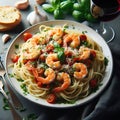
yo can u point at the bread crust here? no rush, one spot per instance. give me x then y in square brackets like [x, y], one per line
[10, 17]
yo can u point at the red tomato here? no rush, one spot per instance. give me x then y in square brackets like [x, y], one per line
[83, 37]
[93, 83]
[93, 53]
[88, 62]
[26, 36]
[51, 98]
[49, 48]
[42, 57]
[14, 58]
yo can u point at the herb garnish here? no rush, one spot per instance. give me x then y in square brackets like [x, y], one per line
[6, 104]
[24, 88]
[60, 52]
[16, 46]
[31, 116]
[11, 75]
[106, 61]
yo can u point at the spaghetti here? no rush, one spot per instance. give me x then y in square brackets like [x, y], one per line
[61, 62]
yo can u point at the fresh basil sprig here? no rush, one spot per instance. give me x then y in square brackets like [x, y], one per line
[60, 52]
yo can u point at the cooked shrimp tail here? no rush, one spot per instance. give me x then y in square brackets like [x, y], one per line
[66, 82]
[80, 70]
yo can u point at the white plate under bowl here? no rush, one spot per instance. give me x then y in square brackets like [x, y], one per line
[90, 32]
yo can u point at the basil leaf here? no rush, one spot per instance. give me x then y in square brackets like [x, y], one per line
[60, 52]
[106, 61]
[48, 8]
[56, 45]
[55, 3]
[58, 13]
[61, 56]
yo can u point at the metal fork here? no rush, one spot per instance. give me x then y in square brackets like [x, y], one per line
[16, 116]
[18, 105]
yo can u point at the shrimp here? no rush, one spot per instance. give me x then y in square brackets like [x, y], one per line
[39, 39]
[81, 70]
[73, 39]
[56, 33]
[30, 50]
[84, 53]
[50, 76]
[66, 82]
[52, 61]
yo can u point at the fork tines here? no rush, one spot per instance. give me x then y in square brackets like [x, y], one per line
[1, 64]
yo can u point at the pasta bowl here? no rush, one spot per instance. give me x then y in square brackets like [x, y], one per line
[71, 25]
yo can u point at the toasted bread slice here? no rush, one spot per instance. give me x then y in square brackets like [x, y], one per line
[4, 27]
[9, 15]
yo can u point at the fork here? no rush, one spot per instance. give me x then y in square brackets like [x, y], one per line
[16, 116]
[18, 105]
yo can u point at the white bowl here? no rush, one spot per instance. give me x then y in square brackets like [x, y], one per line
[91, 33]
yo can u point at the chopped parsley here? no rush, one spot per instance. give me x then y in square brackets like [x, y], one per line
[60, 52]
[43, 65]
[6, 104]
[83, 32]
[31, 116]
[16, 46]
[106, 61]
[20, 80]
[24, 88]
[11, 75]
[65, 27]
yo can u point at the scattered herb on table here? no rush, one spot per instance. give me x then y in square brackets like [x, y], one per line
[6, 104]
[31, 116]
[24, 88]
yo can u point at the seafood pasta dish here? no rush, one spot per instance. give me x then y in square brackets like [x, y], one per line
[58, 64]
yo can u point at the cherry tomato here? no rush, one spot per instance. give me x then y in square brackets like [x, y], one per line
[93, 83]
[93, 54]
[14, 58]
[83, 37]
[49, 48]
[88, 62]
[26, 36]
[51, 98]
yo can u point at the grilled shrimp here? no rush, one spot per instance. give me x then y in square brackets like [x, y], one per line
[39, 39]
[52, 61]
[66, 82]
[50, 76]
[72, 39]
[84, 53]
[31, 51]
[80, 70]
[56, 33]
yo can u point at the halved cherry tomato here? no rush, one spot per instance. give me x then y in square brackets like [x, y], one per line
[26, 36]
[93, 83]
[14, 58]
[51, 98]
[83, 37]
[49, 48]
[88, 63]
[42, 57]
[93, 54]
